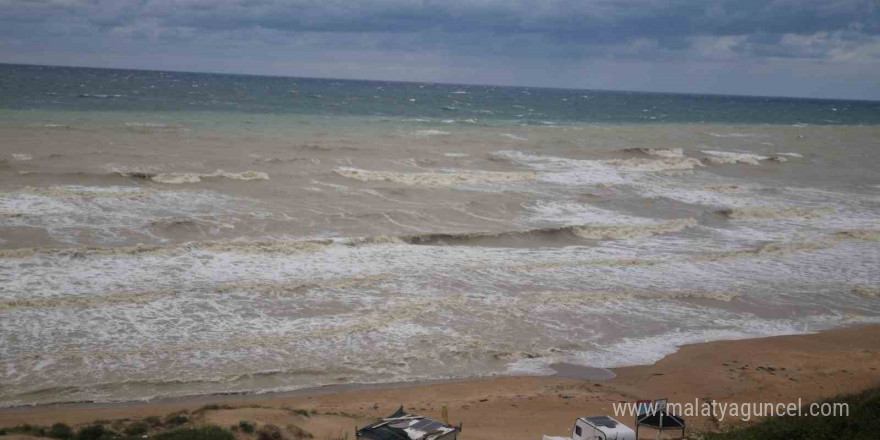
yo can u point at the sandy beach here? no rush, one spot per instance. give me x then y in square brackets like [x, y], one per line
[776, 369]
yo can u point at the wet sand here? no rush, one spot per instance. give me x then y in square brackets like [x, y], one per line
[776, 369]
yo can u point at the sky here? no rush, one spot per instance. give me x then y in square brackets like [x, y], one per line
[807, 48]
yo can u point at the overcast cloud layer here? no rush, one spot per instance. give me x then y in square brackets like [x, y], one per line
[827, 48]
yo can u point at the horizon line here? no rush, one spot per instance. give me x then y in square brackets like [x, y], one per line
[258, 75]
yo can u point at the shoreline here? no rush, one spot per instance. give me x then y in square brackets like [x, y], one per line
[563, 370]
[777, 368]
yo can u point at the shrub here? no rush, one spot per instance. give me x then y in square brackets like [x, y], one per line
[299, 433]
[153, 421]
[60, 430]
[137, 428]
[203, 433]
[246, 427]
[863, 423]
[269, 432]
[176, 419]
[93, 432]
[36, 431]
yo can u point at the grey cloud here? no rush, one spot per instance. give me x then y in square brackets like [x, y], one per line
[486, 33]
[582, 20]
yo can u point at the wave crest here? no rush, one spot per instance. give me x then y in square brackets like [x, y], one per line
[436, 179]
[576, 298]
[83, 192]
[624, 232]
[181, 178]
[662, 152]
[83, 300]
[867, 291]
[758, 213]
[729, 158]
[668, 164]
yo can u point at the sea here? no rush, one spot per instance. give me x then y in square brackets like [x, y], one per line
[169, 234]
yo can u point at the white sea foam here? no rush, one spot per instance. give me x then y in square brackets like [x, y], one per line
[629, 232]
[670, 164]
[599, 224]
[867, 291]
[111, 214]
[22, 156]
[431, 133]
[146, 124]
[737, 135]
[158, 176]
[726, 157]
[766, 212]
[592, 172]
[565, 171]
[662, 152]
[451, 177]
[645, 350]
[296, 304]
[514, 137]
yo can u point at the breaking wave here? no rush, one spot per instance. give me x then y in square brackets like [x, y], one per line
[298, 288]
[83, 300]
[560, 164]
[587, 231]
[119, 298]
[436, 179]
[857, 234]
[772, 249]
[514, 137]
[668, 164]
[181, 178]
[867, 291]
[431, 133]
[87, 192]
[565, 233]
[188, 225]
[575, 298]
[728, 158]
[807, 245]
[758, 213]
[728, 188]
[662, 152]
[623, 232]
[616, 262]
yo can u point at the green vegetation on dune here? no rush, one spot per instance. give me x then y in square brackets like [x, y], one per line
[179, 425]
[202, 433]
[863, 423]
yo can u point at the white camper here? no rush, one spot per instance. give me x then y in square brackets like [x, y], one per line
[598, 428]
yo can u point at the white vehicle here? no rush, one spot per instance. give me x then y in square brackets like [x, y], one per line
[598, 428]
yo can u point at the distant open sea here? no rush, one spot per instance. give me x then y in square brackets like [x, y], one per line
[169, 234]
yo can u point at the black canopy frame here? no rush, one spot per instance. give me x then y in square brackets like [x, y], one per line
[659, 419]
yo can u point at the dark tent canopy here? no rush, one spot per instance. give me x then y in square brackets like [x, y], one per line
[662, 420]
[394, 427]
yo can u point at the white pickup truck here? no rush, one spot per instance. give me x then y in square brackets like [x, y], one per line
[598, 428]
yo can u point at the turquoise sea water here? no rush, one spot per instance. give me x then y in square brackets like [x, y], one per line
[105, 90]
